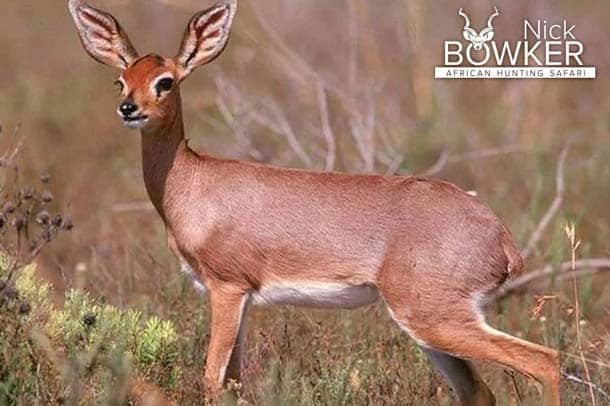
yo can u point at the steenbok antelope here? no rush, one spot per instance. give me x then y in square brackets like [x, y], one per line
[252, 233]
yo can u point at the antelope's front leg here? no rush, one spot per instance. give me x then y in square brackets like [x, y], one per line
[228, 306]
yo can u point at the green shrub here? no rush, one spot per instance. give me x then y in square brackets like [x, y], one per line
[24, 369]
[83, 347]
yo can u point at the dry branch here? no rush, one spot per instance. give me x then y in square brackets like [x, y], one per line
[362, 122]
[267, 113]
[555, 204]
[445, 158]
[362, 129]
[439, 165]
[394, 165]
[591, 385]
[281, 125]
[487, 153]
[280, 48]
[582, 266]
[132, 206]
[7, 160]
[589, 360]
[331, 149]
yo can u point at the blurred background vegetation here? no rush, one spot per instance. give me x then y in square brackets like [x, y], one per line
[345, 85]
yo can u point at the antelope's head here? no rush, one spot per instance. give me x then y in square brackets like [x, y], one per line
[150, 85]
[486, 34]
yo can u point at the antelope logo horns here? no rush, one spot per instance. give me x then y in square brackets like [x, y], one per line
[486, 34]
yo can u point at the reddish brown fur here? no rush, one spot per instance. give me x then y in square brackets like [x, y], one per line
[427, 245]
[431, 250]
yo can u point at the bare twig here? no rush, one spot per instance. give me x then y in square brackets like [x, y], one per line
[278, 46]
[362, 129]
[517, 391]
[268, 113]
[445, 158]
[7, 160]
[233, 120]
[238, 112]
[395, 165]
[591, 385]
[589, 360]
[555, 204]
[363, 120]
[331, 149]
[580, 265]
[284, 128]
[227, 115]
[133, 206]
[369, 134]
[439, 165]
[388, 155]
[487, 153]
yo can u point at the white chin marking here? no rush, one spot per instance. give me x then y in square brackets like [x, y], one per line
[136, 124]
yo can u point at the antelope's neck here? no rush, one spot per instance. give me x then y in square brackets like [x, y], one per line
[167, 162]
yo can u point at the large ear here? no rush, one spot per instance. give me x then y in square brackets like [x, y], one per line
[102, 36]
[206, 37]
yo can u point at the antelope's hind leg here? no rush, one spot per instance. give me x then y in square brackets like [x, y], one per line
[462, 377]
[453, 324]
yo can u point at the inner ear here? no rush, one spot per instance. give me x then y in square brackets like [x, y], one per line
[102, 35]
[205, 37]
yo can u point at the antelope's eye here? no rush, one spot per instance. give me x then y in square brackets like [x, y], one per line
[164, 85]
[120, 86]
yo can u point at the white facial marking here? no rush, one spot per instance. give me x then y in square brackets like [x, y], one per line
[155, 81]
[316, 294]
[124, 89]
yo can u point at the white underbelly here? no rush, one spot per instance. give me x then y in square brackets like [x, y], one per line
[316, 294]
[308, 294]
[198, 284]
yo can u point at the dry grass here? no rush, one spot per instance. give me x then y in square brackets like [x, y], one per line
[344, 85]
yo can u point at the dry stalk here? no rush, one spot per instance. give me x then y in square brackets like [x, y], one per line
[574, 245]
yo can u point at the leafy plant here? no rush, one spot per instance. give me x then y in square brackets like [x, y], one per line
[83, 347]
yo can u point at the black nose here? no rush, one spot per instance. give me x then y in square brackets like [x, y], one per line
[128, 108]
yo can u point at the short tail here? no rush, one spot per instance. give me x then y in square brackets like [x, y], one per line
[514, 259]
[514, 267]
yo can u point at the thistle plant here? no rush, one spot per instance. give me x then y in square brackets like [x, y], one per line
[28, 221]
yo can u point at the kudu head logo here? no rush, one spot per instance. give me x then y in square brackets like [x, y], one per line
[486, 34]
